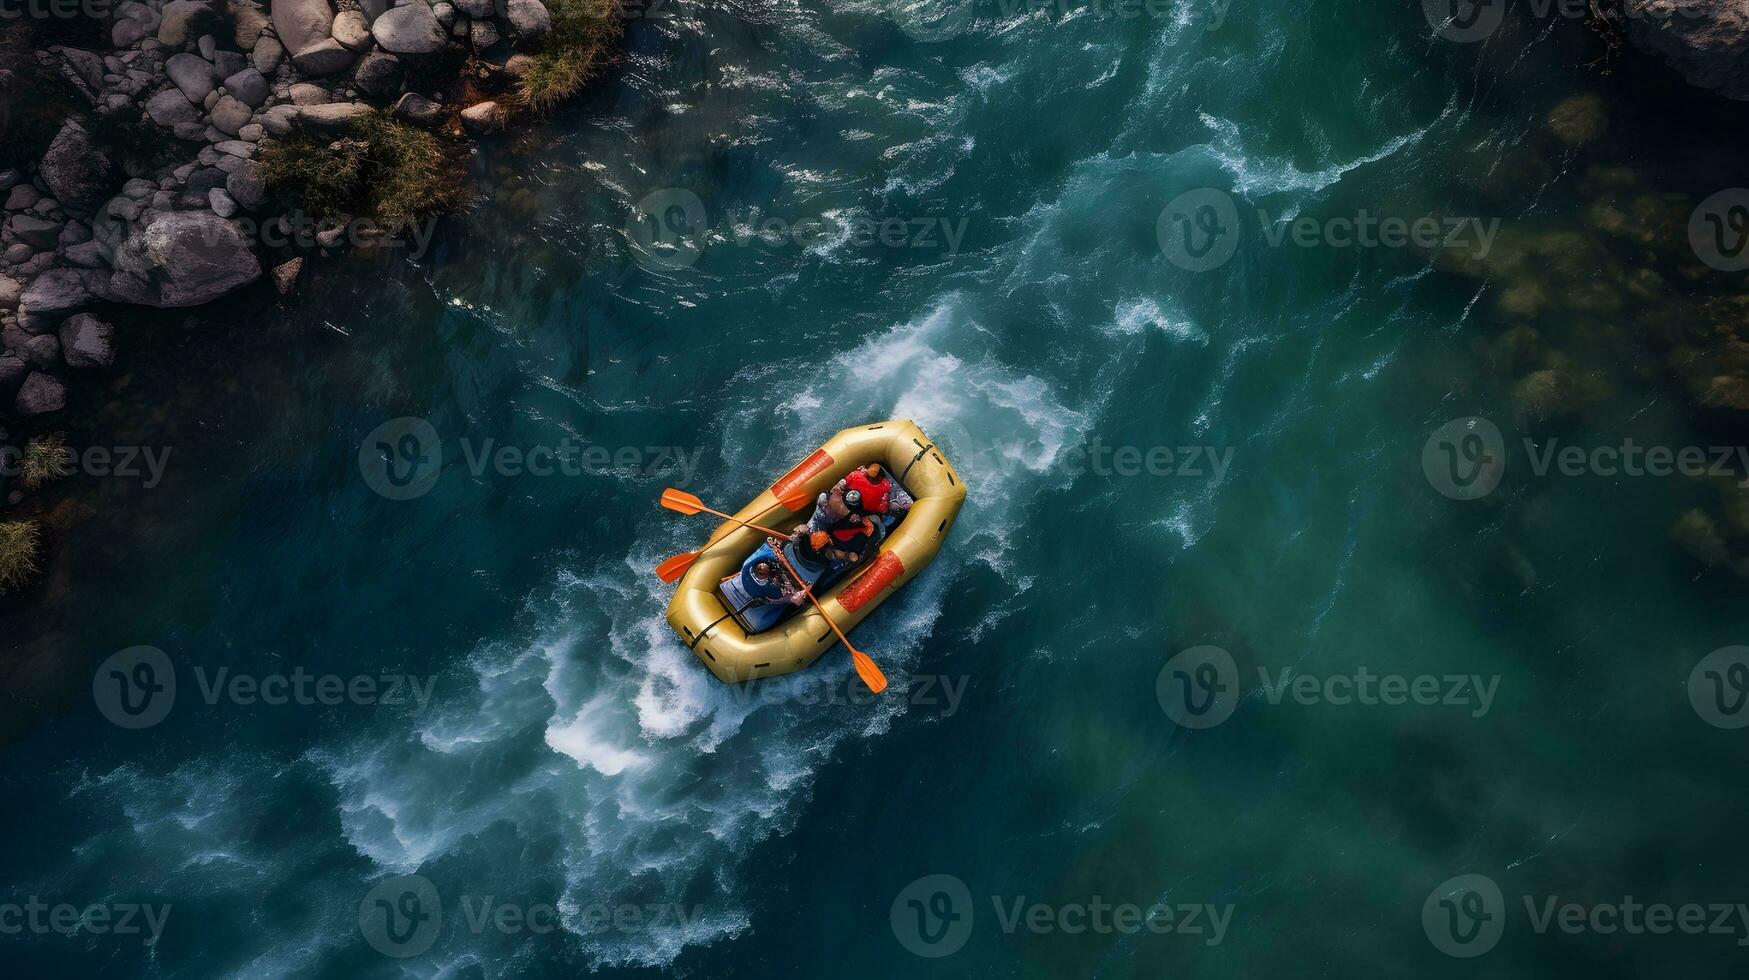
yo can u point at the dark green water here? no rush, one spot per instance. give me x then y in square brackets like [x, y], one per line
[573, 758]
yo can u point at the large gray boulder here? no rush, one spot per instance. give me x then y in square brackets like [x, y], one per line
[418, 110]
[75, 170]
[302, 23]
[248, 86]
[87, 342]
[352, 28]
[40, 234]
[194, 75]
[54, 292]
[170, 107]
[229, 115]
[379, 74]
[325, 57]
[250, 21]
[333, 117]
[528, 19]
[182, 258]
[12, 372]
[267, 53]
[40, 351]
[411, 29]
[181, 20]
[40, 394]
[1706, 41]
[246, 186]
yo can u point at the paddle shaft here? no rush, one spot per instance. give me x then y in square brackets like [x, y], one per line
[803, 584]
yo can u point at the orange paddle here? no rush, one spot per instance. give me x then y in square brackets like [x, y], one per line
[686, 503]
[865, 666]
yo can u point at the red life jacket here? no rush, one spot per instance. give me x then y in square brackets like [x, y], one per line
[848, 531]
[874, 495]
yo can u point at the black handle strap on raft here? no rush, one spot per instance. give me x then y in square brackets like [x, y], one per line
[920, 454]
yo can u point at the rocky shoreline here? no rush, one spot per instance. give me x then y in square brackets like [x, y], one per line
[178, 217]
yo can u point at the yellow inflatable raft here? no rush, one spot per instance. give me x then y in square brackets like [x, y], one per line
[703, 619]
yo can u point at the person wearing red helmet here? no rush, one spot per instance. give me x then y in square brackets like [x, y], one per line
[880, 494]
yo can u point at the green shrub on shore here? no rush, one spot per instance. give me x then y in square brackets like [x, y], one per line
[571, 53]
[18, 541]
[46, 458]
[383, 170]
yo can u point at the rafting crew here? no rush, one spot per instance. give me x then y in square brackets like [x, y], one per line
[838, 513]
[877, 493]
[847, 525]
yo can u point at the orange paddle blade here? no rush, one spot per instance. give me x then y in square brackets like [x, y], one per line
[681, 501]
[673, 568]
[795, 501]
[866, 669]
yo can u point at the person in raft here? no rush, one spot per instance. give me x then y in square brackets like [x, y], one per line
[762, 591]
[838, 513]
[879, 493]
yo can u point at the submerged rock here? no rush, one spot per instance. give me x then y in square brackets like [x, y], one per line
[40, 394]
[87, 342]
[1579, 120]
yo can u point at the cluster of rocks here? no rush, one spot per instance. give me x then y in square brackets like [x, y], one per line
[216, 78]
